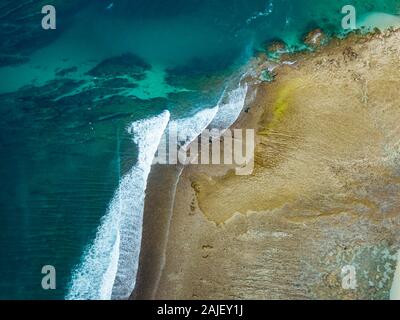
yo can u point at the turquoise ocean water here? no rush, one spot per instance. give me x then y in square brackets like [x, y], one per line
[83, 109]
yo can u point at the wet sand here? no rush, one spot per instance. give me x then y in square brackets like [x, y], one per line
[156, 222]
[324, 193]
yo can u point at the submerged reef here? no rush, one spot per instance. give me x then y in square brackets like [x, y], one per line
[124, 65]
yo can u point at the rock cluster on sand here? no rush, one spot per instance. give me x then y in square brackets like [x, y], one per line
[276, 47]
[315, 38]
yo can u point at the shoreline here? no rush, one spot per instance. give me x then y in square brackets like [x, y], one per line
[157, 215]
[211, 236]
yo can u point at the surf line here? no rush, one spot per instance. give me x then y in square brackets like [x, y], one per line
[109, 265]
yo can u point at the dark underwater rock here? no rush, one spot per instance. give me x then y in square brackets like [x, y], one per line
[64, 72]
[20, 27]
[126, 64]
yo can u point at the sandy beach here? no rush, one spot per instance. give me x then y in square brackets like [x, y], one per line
[324, 193]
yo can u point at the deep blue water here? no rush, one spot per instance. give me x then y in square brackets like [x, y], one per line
[66, 105]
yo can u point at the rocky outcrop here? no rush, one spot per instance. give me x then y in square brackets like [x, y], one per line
[276, 47]
[315, 38]
[126, 64]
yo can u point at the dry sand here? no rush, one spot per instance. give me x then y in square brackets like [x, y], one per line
[324, 193]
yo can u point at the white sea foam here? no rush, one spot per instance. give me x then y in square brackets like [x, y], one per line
[229, 108]
[111, 272]
[186, 130]
[114, 255]
[265, 13]
[190, 128]
[180, 133]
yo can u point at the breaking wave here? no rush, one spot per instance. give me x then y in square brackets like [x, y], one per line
[114, 255]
